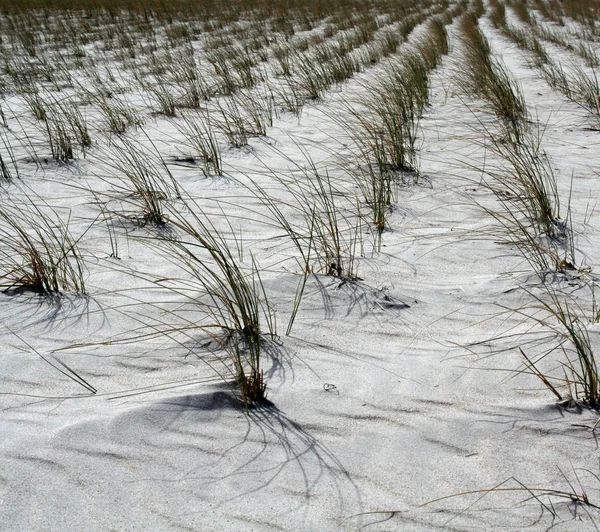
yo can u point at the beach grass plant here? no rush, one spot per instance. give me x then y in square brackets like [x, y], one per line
[575, 376]
[434, 45]
[258, 107]
[59, 138]
[586, 51]
[34, 102]
[322, 221]
[118, 113]
[288, 96]
[530, 179]
[556, 76]
[331, 231]
[313, 76]
[520, 9]
[370, 168]
[140, 179]
[585, 88]
[397, 106]
[233, 124]
[228, 83]
[525, 186]
[8, 162]
[283, 54]
[62, 124]
[38, 252]
[497, 13]
[187, 72]
[200, 138]
[560, 504]
[165, 99]
[240, 319]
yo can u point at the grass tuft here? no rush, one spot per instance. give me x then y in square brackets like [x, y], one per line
[38, 253]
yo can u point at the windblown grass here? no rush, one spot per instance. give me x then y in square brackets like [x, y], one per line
[559, 504]
[8, 163]
[525, 186]
[574, 376]
[320, 219]
[237, 307]
[38, 252]
[201, 139]
[139, 178]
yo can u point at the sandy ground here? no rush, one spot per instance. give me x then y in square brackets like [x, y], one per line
[376, 409]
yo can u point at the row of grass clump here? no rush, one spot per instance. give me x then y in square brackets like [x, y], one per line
[530, 216]
[524, 183]
[579, 83]
[385, 129]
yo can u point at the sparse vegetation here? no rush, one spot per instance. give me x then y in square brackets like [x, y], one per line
[179, 178]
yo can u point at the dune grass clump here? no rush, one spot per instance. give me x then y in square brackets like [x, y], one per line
[231, 296]
[163, 93]
[330, 233]
[319, 217]
[578, 85]
[322, 222]
[8, 162]
[497, 13]
[557, 78]
[530, 180]
[187, 73]
[313, 77]
[234, 124]
[377, 183]
[139, 178]
[38, 252]
[577, 377]
[62, 124]
[119, 115]
[520, 9]
[259, 109]
[202, 141]
[585, 90]
[288, 97]
[525, 185]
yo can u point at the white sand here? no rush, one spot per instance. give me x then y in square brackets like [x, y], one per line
[375, 406]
